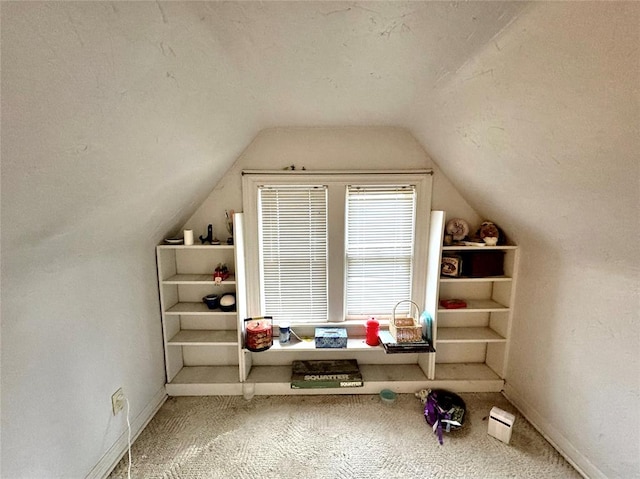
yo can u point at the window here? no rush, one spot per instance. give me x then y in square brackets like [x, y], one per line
[333, 246]
[292, 229]
[380, 226]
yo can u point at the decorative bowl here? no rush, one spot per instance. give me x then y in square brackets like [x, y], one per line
[211, 300]
[388, 396]
[228, 302]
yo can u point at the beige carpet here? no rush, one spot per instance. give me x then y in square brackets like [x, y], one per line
[354, 436]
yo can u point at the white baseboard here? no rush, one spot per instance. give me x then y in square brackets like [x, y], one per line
[551, 434]
[116, 452]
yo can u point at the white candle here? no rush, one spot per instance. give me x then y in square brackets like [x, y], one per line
[188, 237]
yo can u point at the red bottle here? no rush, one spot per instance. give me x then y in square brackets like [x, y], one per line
[372, 332]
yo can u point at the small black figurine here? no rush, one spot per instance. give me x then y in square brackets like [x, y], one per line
[209, 238]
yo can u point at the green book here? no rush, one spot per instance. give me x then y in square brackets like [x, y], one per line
[340, 373]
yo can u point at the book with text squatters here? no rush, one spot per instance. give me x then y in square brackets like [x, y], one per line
[341, 373]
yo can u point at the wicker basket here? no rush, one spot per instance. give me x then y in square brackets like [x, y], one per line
[406, 330]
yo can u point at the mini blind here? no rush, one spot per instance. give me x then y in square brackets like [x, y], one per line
[379, 250]
[293, 252]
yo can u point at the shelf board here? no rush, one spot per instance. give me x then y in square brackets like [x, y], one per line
[478, 248]
[401, 378]
[195, 308]
[205, 381]
[195, 246]
[477, 306]
[204, 337]
[467, 377]
[468, 335]
[270, 374]
[353, 344]
[392, 372]
[207, 374]
[465, 372]
[196, 279]
[370, 373]
[483, 279]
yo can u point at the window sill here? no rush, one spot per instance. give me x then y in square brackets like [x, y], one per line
[356, 343]
[356, 328]
[345, 323]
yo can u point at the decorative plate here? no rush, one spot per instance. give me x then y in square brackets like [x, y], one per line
[457, 228]
[174, 240]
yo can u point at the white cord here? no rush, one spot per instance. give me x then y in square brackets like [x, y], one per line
[129, 439]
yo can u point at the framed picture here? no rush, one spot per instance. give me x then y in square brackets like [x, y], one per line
[451, 265]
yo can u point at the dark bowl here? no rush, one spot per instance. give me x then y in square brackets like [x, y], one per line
[211, 300]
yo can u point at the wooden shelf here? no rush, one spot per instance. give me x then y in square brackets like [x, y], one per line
[205, 380]
[401, 378]
[203, 337]
[465, 372]
[195, 308]
[467, 279]
[478, 248]
[480, 351]
[468, 335]
[202, 345]
[197, 279]
[370, 373]
[207, 374]
[195, 246]
[353, 344]
[392, 373]
[477, 306]
[472, 343]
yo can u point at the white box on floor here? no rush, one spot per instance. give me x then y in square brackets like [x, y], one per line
[501, 424]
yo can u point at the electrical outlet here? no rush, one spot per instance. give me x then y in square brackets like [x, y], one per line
[117, 401]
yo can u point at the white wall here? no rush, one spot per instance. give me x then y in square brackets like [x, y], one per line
[355, 148]
[541, 133]
[108, 144]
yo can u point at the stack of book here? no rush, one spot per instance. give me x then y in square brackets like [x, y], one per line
[392, 347]
[342, 373]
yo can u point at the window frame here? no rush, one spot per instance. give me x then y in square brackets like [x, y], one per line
[337, 182]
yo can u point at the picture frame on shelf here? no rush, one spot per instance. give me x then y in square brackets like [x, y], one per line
[451, 266]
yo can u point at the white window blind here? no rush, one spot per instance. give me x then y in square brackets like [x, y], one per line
[293, 252]
[379, 249]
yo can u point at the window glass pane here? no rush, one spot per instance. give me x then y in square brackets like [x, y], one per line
[293, 252]
[379, 250]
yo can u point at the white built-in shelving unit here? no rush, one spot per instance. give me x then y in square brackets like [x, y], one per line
[204, 348]
[270, 370]
[472, 342]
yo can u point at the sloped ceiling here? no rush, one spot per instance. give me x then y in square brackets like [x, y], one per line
[138, 104]
[119, 118]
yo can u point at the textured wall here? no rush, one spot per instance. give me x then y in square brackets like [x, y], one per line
[373, 148]
[106, 147]
[541, 133]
